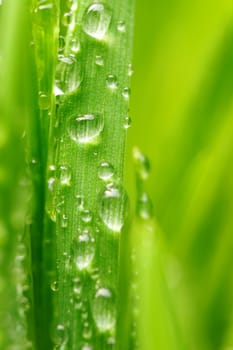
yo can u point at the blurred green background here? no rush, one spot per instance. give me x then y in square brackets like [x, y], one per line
[182, 112]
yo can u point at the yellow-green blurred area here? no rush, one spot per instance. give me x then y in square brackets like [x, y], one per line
[182, 111]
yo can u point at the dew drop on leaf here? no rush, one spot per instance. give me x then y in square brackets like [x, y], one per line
[113, 205]
[103, 310]
[127, 122]
[126, 93]
[96, 21]
[64, 175]
[68, 75]
[111, 81]
[99, 61]
[60, 335]
[85, 128]
[121, 26]
[105, 171]
[84, 249]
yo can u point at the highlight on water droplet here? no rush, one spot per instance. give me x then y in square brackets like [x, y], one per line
[113, 207]
[68, 75]
[111, 81]
[86, 128]
[96, 20]
[105, 171]
[103, 310]
[84, 249]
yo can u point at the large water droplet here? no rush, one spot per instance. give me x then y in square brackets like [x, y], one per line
[85, 128]
[68, 75]
[113, 207]
[103, 309]
[105, 171]
[84, 250]
[96, 21]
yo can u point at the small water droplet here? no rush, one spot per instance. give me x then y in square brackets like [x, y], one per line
[121, 26]
[60, 335]
[86, 216]
[54, 286]
[68, 75]
[75, 46]
[130, 70]
[84, 250]
[99, 61]
[61, 43]
[127, 122]
[144, 206]
[103, 309]
[96, 21]
[79, 201]
[64, 175]
[86, 128]
[142, 164]
[105, 171]
[113, 207]
[44, 102]
[64, 221]
[67, 18]
[126, 93]
[111, 81]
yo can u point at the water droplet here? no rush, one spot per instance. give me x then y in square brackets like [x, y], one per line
[99, 60]
[68, 75]
[86, 347]
[87, 332]
[79, 201]
[84, 250]
[113, 207]
[67, 18]
[75, 46]
[61, 43]
[130, 70]
[142, 164]
[96, 21]
[85, 128]
[86, 216]
[44, 102]
[126, 93]
[121, 26]
[60, 335]
[105, 171]
[64, 221]
[64, 175]
[104, 310]
[127, 122]
[54, 286]
[144, 206]
[111, 81]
